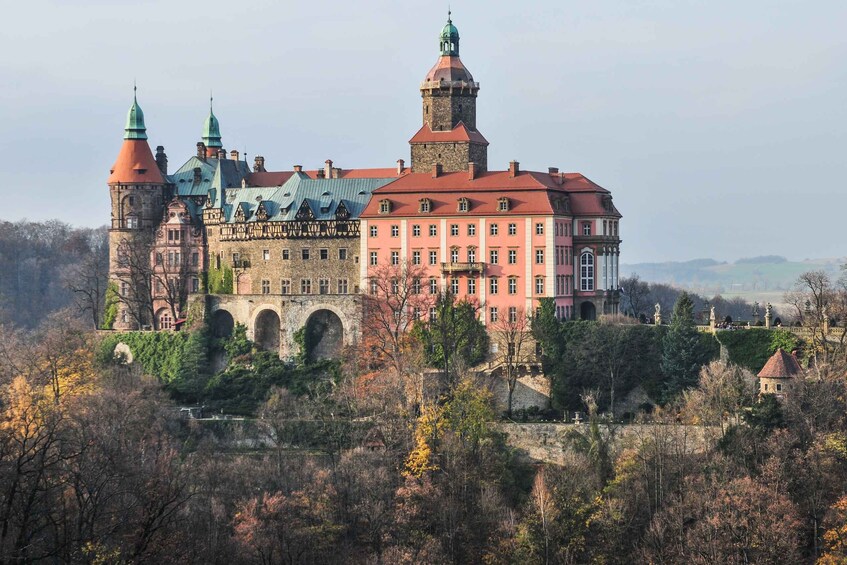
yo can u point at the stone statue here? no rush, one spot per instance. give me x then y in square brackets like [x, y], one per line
[712, 314]
[768, 315]
[657, 316]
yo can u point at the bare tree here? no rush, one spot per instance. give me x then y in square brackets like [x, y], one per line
[134, 276]
[394, 301]
[89, 279]
[513, 337]
[634, 295]
[821, 304]
[170, 274]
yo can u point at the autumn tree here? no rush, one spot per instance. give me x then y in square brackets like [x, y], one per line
[722, 394]
[88, 279]
[134, 277]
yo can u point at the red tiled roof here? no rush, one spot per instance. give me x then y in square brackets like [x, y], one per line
[528, 193]
[458, 133]
[781, 365]
[450, 69]
[135, 163]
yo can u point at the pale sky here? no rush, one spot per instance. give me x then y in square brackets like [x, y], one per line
[718, 126]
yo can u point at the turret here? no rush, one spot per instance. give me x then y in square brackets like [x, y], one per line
[212, 133]
[449, 136]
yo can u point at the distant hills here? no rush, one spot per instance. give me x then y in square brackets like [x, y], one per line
[767, 273]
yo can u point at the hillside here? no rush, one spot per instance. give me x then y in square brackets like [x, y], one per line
[769, 273]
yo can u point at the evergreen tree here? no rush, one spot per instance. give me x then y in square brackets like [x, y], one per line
[681, 350]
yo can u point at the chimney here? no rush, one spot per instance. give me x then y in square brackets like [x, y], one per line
[162, 160]
[514, 169]
[471, 171]
[436, 170]
[552, 170]
[201, 150]
[233, 155]
[401, 166]
[222, 154]
[328, 168]
[321, 173]
[196, 175]
[298, 168]
[336, 172]
[259, 164]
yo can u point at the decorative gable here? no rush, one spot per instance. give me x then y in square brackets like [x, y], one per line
[242, 213]
[262, 212]
[342, 212]
[305, 212]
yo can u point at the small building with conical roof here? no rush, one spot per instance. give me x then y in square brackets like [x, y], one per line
[778, 374]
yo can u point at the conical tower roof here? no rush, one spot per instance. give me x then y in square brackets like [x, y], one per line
[212, 129]
[135, 128]
[135, 162]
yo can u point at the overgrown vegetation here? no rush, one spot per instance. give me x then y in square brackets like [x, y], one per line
[218, 281]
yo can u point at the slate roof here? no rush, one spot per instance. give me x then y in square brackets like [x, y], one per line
[781, 365]
[214, 173]
[322, 196]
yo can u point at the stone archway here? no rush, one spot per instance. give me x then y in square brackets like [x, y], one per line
[324, 335]
[266, 330]
[222, 324]
[587, 311]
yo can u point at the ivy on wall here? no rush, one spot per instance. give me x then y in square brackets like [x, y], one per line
[218, 281]
[752, 348]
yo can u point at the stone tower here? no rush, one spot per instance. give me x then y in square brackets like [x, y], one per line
[137, 187]
[449, 136]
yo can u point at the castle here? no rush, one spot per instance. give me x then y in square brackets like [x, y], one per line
[281, 250]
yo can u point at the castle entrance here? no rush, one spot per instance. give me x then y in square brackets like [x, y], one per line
[324, 335]
[266, 332]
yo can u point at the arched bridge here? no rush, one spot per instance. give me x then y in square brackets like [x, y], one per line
[331, 321]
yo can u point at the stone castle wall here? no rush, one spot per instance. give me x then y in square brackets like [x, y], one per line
[443, 109]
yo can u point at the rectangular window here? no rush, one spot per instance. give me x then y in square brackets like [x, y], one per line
[395, 257]
[159, 259]
[513, 256]
[539, 285]
[454, 229]
[495, 256]
[432, 316]
[416, 230]
[286, 254]
[454, 255]
[374, 287]
[513, 285]
[471, 255]
[433, 257]
[395, 286]
[373, 231]
[492, 314]
[266, 254]
[324, 254]
[492, 229]
[305, 286]
[471, 229]
[374, 258]
[304, 254]
[539, 229]
[513, 229]
[285, 288]
[342, 286]
[433, 230]
[539, 256]
[195, 259]
[416, 285]
[323, 286]
[266, 286]
[586, 228]
[342, 254]
[433, 286]
[416, 257]
[236, 259]
[471, 286]
[195, 284]
[513, 315]
[395, 230]
[493, 285]
[454, 286]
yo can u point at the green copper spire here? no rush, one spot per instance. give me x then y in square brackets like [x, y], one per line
[449, 39]
[135, 120]
[212, 129]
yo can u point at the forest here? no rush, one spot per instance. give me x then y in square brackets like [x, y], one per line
[361, 460]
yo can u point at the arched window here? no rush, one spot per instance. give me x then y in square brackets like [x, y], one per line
[586, 271]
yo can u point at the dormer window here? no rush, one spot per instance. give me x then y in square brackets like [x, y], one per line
[464, 205]
[384, 206]
[424, 205]
[503, 204]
